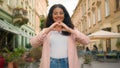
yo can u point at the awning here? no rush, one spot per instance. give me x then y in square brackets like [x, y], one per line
[101, 34]
[8, 27]
[11, 28]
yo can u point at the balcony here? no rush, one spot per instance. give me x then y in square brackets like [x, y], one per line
[19, 16]
[98, 2]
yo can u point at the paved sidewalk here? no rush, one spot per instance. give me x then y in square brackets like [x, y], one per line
[97, 64]
[105, 64]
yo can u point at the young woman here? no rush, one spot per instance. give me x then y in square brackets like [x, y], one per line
[58, 38]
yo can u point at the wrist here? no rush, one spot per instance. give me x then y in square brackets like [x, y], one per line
[47, 30]
[71, 30]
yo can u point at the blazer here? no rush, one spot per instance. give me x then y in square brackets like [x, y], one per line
[43, 38]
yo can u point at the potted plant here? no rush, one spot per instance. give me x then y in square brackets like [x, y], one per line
[11, 56]
[36, 53]
[2, 61]
[87, 59]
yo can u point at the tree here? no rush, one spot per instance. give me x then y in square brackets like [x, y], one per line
[42, 21]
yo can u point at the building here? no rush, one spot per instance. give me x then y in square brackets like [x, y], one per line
[18, 22]
[93, 15]
[40, 12]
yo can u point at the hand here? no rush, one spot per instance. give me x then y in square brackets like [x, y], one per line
[54, 25]
[65, 27]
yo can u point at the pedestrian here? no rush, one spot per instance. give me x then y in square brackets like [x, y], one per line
[58, 38]
[87, 50]
[95, 49]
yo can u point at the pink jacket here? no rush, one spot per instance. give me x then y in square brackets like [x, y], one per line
[43, 38]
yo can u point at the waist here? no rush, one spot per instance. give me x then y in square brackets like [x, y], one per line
[58, 59]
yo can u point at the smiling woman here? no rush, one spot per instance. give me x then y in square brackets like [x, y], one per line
[58, 38]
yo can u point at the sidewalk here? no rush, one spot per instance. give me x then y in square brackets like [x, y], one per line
[97, 64]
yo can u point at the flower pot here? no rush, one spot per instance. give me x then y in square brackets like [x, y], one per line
[2, 62]
[10, 65]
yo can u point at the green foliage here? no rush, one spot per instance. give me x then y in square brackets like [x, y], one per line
[42, 25]
[36, 52]
[12, 55]
[42, 21]
[87, 59]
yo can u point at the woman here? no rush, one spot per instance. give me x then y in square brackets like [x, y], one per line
[58, 38]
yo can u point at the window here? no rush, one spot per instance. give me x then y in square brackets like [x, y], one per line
[107, 8]
[83, 25]
[99, 13]
[93, 17]
[83, 9]
[89, 21]
[117, 4]
[88, 4]
[118, 27]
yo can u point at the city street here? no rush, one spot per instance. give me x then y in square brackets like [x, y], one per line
[98, 64]
[32, 31]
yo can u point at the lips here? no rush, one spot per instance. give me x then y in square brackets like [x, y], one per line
[58, 19]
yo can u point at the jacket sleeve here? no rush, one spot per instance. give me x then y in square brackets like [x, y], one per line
[80, 37]
[38, 39]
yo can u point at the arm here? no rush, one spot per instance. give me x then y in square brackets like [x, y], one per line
[38, 39]
[80, 37]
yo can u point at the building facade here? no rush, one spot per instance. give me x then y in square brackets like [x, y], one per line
[93, 15]
[41, 11]
[18, 22]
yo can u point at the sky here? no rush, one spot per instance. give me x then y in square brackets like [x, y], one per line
[70, 5]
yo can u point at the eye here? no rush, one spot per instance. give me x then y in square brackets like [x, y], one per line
[61, 13]
[56, 13]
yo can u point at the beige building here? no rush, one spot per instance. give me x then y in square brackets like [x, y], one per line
[40, 12]
[93, 15]
[20, 20]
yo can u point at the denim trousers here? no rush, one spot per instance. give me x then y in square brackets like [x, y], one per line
[59, 63]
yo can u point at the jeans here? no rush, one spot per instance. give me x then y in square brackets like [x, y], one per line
[59, 63]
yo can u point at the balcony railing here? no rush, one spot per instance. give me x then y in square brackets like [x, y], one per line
[20, 16]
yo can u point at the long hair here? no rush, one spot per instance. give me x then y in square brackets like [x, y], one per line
[67, 19]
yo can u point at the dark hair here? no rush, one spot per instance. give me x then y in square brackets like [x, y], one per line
[67, 19]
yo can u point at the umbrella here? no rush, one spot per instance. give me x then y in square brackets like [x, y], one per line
[104, 35]
[101, 34]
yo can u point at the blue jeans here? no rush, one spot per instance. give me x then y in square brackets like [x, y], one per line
[59, 63]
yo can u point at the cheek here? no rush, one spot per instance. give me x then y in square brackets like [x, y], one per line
[63, 19]
[53, 17]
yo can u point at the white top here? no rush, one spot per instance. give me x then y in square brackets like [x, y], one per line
[58, 45]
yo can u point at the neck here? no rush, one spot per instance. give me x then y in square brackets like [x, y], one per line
[58, 28]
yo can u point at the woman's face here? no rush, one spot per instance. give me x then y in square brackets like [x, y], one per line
[58, 14]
